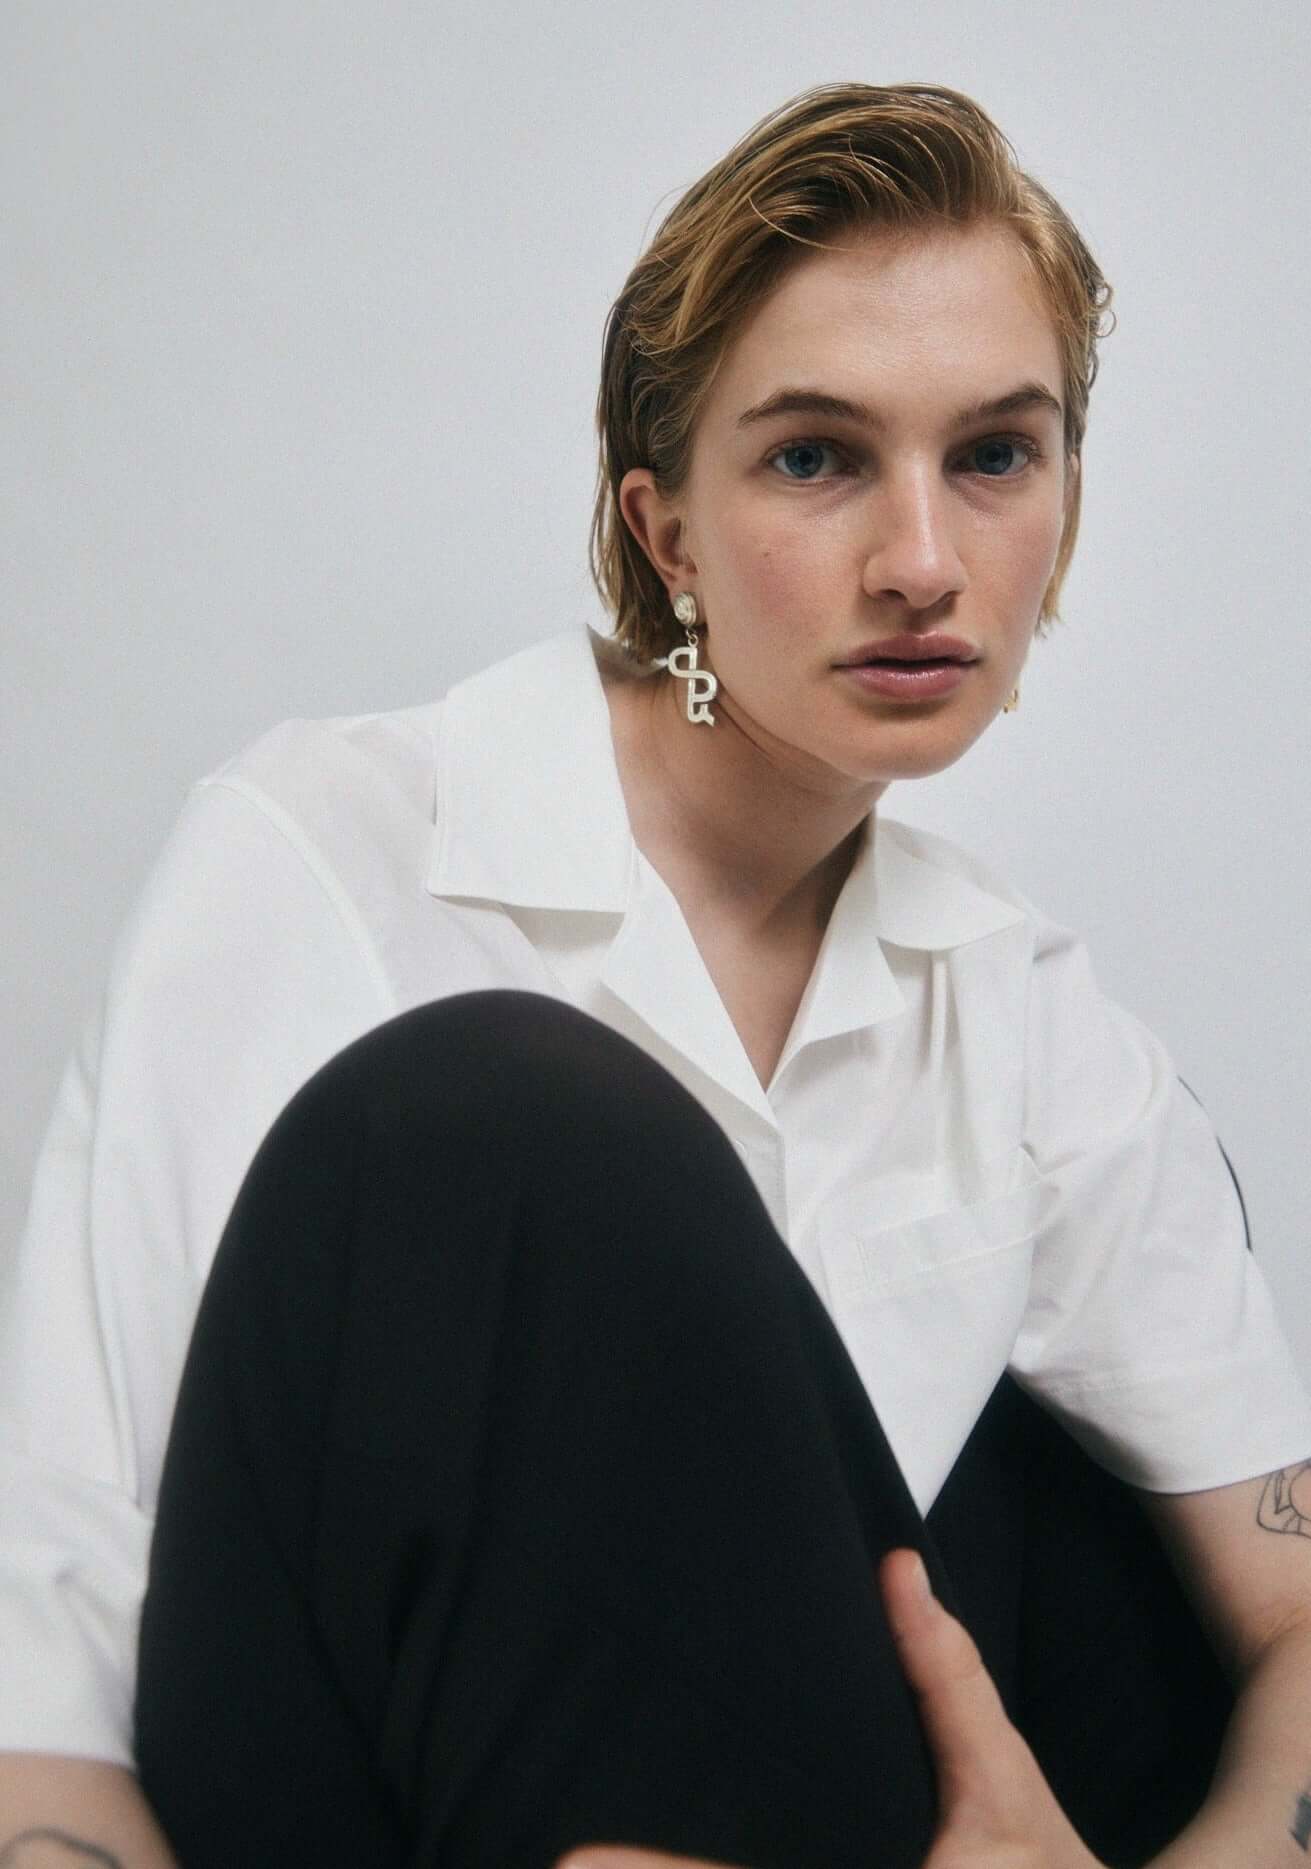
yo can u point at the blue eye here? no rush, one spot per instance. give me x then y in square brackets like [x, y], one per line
[811, 453]
[811, 448]
[1005, 441]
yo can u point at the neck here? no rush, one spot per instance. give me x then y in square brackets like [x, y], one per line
[731, 825]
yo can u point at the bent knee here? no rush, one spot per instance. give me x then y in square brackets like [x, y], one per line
[503, 1064]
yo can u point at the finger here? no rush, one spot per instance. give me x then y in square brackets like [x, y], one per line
[974, 1744]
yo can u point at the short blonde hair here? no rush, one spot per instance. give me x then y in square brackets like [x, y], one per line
[836, 158]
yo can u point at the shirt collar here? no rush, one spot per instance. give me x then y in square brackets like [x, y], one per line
[530, 810]
[531, 813]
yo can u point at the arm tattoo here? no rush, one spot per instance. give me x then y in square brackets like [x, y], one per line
[1286, 1502]
[1301, 1831]
[54, 1849]
[1286, 1507]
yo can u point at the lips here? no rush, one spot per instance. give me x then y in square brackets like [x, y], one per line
[936, 647]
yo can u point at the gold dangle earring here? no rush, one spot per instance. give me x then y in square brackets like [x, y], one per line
[702, 686]
[1013, 703]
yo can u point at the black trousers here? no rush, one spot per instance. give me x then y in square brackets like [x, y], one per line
[521, 1494]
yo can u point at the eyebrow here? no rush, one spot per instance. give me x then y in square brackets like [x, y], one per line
[821, 402]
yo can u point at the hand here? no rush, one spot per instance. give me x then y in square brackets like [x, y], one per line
[995, 1808]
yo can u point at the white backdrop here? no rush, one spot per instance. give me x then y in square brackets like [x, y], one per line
[303, 303]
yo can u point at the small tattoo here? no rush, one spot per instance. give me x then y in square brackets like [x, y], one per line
[1286, 1502]
[1301, 1831]
[61, 1852]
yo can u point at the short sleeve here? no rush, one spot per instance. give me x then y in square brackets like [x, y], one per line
[235, 977]
[1150, 1331]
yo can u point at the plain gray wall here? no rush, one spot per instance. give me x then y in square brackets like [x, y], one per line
[302, 321]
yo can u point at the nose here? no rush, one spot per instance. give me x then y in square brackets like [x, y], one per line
[912, 553]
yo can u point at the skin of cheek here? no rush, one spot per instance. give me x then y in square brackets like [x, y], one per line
[782, 596]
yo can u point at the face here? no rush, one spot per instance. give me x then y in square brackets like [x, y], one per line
[806, 536]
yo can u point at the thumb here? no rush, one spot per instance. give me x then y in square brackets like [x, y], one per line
[961, 1710]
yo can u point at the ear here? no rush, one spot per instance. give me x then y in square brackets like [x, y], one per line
[657, 525]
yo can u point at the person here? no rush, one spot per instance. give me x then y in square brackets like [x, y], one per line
[557, 1173]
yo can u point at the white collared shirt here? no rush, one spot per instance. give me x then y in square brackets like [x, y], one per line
[979, 1160]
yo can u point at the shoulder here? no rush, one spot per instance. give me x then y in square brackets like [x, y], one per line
[337, 796]
[381, 753]
[273, 851]
[357, 769]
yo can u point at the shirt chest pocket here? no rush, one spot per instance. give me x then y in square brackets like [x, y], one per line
[929, 1311]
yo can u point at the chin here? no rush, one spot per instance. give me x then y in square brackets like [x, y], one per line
[918, 750]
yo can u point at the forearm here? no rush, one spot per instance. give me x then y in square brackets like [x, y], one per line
[1258, 1812]
[66, 1813]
